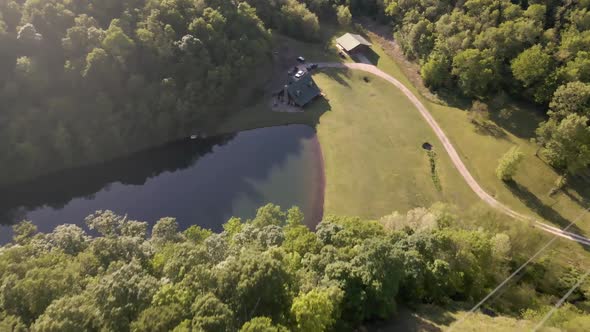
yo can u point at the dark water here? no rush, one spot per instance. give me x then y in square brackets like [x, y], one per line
[202, 182]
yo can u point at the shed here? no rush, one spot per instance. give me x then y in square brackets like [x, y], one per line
[303, 90]
[352, 43]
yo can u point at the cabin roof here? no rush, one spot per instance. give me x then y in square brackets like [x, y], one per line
[303, 90]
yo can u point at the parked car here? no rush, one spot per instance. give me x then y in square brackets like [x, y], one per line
[299, 74]
[312, 66]
[301, 59]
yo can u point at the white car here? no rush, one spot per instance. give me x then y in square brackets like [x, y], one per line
[299, 74]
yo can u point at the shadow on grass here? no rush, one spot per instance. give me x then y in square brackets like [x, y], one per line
[372, 56]
[535, 204]
[338, 75]
[518, 118]
[452, 98]
[489, 128]
[425, 319]
[578, 190]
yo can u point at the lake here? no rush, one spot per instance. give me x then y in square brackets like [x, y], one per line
[199, 182]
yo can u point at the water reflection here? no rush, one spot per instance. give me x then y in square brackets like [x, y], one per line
[200, 182]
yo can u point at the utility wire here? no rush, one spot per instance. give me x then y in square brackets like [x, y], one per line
[560, 302]
[480, 303]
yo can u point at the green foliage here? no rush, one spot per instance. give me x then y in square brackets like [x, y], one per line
[436, 71]
[477, 72]
[197, 234]
[508, 164]
[350, 271]
[433, 170]
[570, 98]
[165, 230]
[343, 15]
[296, 20]
[262, 324]
[159, 318]
[314, 311]
[417, 39]
[567, 142]
[23, 232]
[210, 314]
[533, 68]
[85, 82]
[69, 314]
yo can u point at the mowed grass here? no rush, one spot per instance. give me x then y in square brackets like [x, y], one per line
[481, 148]
[359, 143]
[432, 318]
[371, 138]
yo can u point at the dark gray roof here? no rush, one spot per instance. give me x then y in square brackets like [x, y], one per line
[303, 90]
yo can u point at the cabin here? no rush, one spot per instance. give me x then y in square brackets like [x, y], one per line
[353, 44]
[301, 91]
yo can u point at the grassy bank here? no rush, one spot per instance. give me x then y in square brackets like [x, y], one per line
[376, 147]
[480, 148]
[372, 144]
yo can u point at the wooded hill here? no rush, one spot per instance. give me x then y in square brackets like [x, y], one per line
[270, 273]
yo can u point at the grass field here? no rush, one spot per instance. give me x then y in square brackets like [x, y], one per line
[369, 132]
[431, 318]
[372, 140]
[480, 149]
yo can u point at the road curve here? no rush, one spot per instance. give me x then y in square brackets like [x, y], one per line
[482, 194]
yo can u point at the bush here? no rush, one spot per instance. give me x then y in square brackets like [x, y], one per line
[343, 15]
[508, 164]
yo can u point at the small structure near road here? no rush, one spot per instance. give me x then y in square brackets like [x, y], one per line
[353, 44]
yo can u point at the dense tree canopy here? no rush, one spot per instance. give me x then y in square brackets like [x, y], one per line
[83, 82]
[86, 81]
[266, 274]
[537, 50]
[257, 274]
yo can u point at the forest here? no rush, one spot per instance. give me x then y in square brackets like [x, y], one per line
[86, 81]
[271, 273]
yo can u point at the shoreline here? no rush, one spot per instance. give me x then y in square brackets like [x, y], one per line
[320, 185]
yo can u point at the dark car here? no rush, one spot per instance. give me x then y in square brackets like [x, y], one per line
[301, 59]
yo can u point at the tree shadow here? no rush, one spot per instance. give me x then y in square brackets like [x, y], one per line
[450, 97]
[578, 190]
[519, 118]
[339, 75]
[423, 318]
[536, 205]
[489, 128]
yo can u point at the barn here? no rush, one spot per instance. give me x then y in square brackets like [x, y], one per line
[352, 43]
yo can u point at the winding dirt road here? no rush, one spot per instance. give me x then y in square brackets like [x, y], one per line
[482, 194]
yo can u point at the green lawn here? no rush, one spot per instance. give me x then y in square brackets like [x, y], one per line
[432, 318]
[370, 136]
[480, 149]
[371, 140]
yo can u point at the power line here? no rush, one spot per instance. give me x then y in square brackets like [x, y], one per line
[480, 303]
[560, 302]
